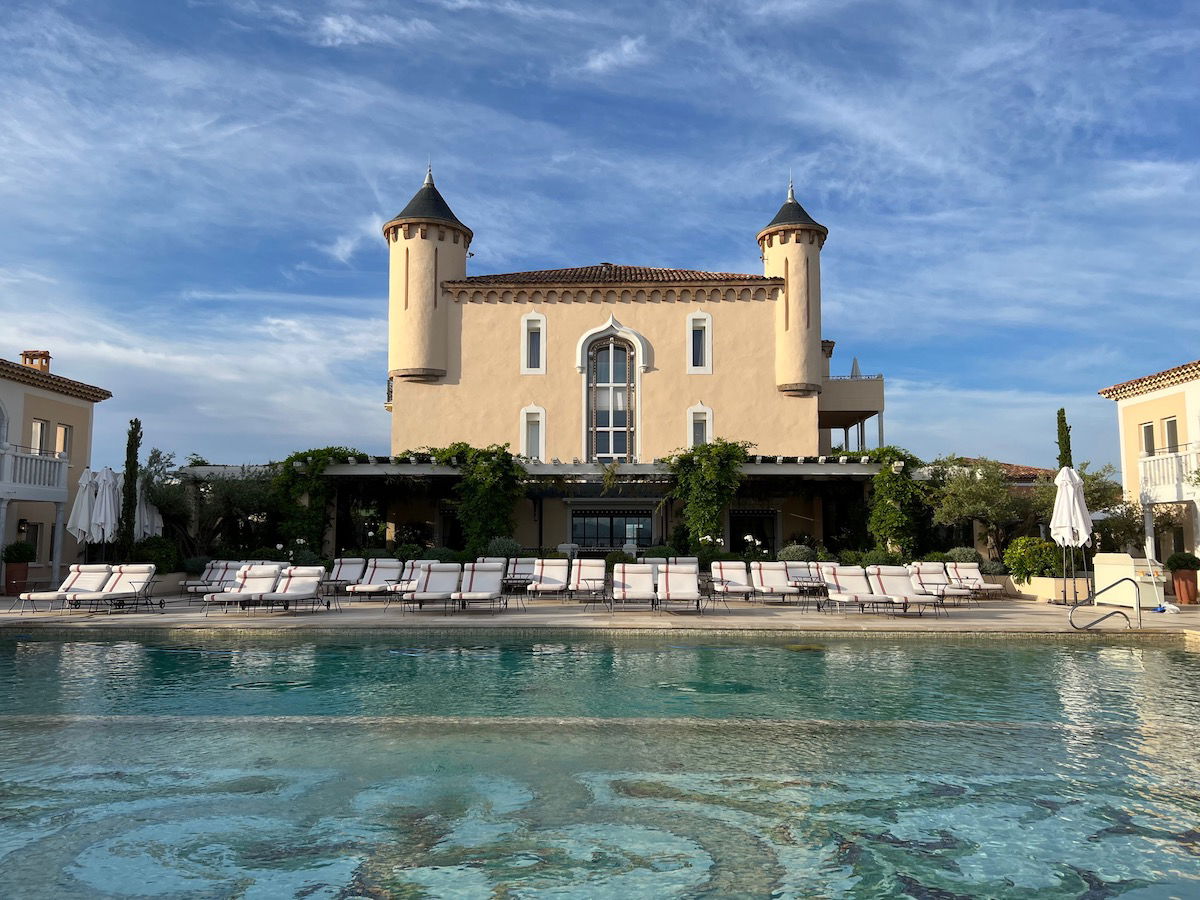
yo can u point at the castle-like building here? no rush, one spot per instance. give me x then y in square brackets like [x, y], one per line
[609, 363]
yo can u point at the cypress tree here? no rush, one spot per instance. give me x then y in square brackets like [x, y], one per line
[1064, 441]
[125, 535]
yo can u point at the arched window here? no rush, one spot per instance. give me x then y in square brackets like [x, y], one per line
[611, 400]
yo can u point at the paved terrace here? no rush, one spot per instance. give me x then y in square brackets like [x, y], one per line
[991, 617]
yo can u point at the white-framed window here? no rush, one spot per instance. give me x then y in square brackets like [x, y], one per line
[699, 425]
[62, 440]
[611, 400]
[533, 344]
[38, 433]
[533, 433]
[1148, 439]
[1171, 435]
[699, 343]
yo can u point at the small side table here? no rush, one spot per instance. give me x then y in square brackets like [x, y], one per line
[594, 588]
[516, 586]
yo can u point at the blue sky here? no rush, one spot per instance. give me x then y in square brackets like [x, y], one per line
[192, 192]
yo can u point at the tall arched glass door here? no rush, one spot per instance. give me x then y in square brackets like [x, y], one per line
[611, 401]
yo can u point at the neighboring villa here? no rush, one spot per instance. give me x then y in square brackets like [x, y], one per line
[45, 443]
[1155, 416]
[615, 365]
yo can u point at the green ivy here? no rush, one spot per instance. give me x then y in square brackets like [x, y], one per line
[705, 479]
[491, 484]
[303, 493]
[897, 502]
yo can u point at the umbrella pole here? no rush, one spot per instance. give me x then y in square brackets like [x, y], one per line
[1064, 571]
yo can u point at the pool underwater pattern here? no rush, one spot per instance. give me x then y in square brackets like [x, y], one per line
[703, 771]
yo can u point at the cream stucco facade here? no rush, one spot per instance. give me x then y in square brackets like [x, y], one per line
[45, 443]
[1157, 417]
[459, 348]
[607, 363]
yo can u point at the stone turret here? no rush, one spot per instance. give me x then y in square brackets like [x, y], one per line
[791, 250]
[427, 245]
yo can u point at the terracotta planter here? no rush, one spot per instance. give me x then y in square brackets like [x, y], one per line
[16, 574]
[1184, 582]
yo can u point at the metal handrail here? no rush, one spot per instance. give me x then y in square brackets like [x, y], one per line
[1091, 601]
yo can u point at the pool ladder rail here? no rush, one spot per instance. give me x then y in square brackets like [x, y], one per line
[1091, 601]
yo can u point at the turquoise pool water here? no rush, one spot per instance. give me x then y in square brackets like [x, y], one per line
[587, 766]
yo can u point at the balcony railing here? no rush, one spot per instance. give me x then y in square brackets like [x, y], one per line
[31, 474]
[1164, 477]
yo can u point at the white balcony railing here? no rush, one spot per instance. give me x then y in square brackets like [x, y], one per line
[32, 474]
[1164, 477]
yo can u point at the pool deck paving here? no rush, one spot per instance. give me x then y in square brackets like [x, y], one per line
[990, 617]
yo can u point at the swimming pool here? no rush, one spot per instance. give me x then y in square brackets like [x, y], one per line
[533, 765]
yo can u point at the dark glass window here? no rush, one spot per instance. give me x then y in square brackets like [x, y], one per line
[698, 346]
[533, 357]
[602, 530]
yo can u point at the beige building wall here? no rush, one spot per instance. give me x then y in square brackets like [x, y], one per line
[55, 410]
[1180, 402]
[483, 394]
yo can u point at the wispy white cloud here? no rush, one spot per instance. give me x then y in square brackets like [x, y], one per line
[336, 23]
[234, 387]
[1011, 189]
[627, 51]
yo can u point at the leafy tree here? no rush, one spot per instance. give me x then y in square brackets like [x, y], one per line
[705, 479]
[491, 484]
[1101, 490]
[981, 492]
[129, 491]
[897, 502]
[1064, 441]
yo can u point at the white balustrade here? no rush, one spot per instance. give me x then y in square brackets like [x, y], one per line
[1164, 478]
[32, 475]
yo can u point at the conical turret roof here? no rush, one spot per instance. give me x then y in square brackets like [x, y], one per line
[792, 213]
[427, 205]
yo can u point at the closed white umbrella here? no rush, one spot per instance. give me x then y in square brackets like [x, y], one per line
[108, 506]
[79, 524]
[1070, 523]
[148, 521]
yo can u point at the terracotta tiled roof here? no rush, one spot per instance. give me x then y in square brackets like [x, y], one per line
[1166, 378]
[607, 273]
[47, 382]
[1016, 472]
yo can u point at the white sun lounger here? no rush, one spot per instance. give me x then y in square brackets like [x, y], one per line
[968, 575]
[296, 584]
[481, 583]
[345, 572]
[895, 582]
[679, 584]
[587, 580]
[549, 576]
[80, 579]
[378, 575]
[127, 587]
[931, 578]
[438, 581]
[633, 583]
[729, 580]
[770, 581]
[250, 580]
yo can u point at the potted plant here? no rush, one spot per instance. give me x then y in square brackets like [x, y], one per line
[17, 557]
[1183, 568]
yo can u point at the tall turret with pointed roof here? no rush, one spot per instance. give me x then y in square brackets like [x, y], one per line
[791, 249]
[427, 245]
